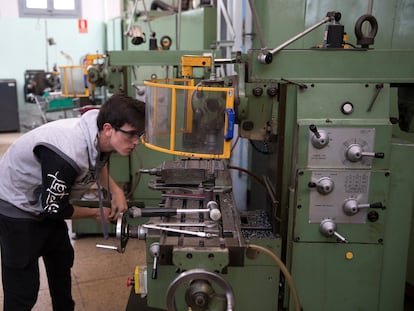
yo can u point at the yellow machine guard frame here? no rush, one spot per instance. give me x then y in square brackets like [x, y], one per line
[166, 83]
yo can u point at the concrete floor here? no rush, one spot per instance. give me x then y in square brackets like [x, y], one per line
[98, 276]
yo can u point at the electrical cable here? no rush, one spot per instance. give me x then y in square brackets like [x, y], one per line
[235, 143]
[101, 207]
[284, 270]
[259, 179]
[137, 177]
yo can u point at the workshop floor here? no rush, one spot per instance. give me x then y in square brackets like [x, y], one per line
[99, 275]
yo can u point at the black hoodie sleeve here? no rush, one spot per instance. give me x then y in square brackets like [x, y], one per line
[58, 176]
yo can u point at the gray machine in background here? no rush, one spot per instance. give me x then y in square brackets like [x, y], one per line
[9, 112]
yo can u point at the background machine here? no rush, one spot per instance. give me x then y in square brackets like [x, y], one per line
[324, 97]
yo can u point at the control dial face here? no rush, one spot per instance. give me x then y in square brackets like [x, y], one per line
[352, 149]
[354, 153]
[344, 149]
[338, 187]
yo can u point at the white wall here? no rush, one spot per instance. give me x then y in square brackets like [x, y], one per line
[8, 9]
[23, 40]
[91, 9]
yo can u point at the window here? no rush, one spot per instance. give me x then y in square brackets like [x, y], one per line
[50, 8]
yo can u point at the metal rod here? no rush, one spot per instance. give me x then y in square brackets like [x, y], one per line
[148, 19]
[192, 210]
[178, 26]
[132, 16]
[188, 196]
[200, 234]
[186, 224]
[300, 35]
[256, 24]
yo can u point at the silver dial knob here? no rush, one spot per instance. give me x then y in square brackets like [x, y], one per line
[325, 185]
[319, 138]
[328, 228]
[355, 153]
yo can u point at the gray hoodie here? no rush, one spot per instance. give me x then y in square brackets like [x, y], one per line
[74, 139]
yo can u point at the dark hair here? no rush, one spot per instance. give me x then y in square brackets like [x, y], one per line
[120, 109]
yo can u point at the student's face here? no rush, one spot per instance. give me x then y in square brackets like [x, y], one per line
[122, 139]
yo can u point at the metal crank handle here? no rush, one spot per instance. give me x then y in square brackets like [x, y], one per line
[114, 248]
[340, 237]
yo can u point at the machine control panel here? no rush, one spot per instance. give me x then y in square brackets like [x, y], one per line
[342, 147]
[339, 195]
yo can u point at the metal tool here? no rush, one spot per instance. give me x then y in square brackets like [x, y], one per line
[212, 209]
[114, 248]
[200, 234]
[207, 224]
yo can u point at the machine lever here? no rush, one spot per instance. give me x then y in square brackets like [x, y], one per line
[354, 153]
[378, 87]
[376, 205]
[265, 56]
[328, 228]
[320, 138]
[352, 207]
[340, 237]
[154, 251]
[378, 155]
[314, 130]
[104, 246]
[324, 185]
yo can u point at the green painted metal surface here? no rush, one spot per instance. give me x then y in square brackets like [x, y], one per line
[324, 101]
[368, 232]
[337, 282]
[197, 30]
[259, 270]
[149, 58]
[215, 259]
[397, 229]
[327, 280]
[388, 66]
[281, 20]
